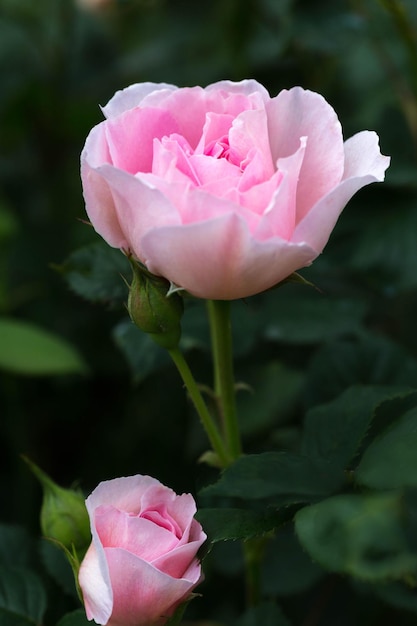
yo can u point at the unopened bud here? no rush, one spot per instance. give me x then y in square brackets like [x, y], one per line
[64, 516]
[152, 309]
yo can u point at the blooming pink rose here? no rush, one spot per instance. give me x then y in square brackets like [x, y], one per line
[224, 191]
[142, 561]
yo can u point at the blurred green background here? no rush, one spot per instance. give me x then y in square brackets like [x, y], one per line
[106, 402]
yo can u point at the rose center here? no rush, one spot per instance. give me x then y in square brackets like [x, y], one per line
[164, 520]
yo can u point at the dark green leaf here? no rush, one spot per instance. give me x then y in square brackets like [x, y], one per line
[16, 546]
[76, 618]
[286, 567]
[334, 431]
[57, 566]
[303, 317]
[224, 524]
[358, 535]
[95, 273]
[29, 350]
[274, 391]
[362, 361]
[266, 614]
[391, 460]
[22, 594]
[280, 477]
[142, 353]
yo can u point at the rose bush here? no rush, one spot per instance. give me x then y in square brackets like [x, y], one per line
[224, 191]
[142, 561]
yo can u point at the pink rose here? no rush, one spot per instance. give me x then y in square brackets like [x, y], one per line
[224, 191]
[142, 561]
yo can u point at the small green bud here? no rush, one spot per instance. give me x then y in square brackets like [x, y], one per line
[64, 516]
[152, 309]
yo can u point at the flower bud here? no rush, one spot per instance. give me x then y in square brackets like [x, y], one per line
[152, 309]
[63, 517]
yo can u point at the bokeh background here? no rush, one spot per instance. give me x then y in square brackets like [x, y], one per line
[113, 404]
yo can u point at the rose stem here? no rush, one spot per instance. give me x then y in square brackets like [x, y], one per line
[200, 406]
[224, 384]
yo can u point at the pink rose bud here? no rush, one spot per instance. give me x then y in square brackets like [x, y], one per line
[142, 563]
[224, 191]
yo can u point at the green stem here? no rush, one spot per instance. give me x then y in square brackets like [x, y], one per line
[200, 406]
[224, 384]
[253, 551]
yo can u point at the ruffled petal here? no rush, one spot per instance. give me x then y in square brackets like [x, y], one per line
[132, 96]
[124, 493]
[364, 165]
[279, 217]
[298, 113]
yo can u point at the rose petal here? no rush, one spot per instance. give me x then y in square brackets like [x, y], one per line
[124, 493]
[176, 562]
[132, 96]
[279, 218]
[248, 87]
[298, 113]
[137, 205]
[143, 594]
[94, 581]
[181, 508]
[140, 536]
[364, 165]
[130, 137]
[219, 259]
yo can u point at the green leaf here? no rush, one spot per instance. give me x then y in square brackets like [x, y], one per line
[274, 390]
[22, 595]
[226, 524]
[95, 273]
[366, 360]
[57, 566]
[386, 247]
[76, 618]
[17, 548]
[358, 535]
[302, 317]
[391, 460]
[29, 350]
[286, 567]
[143, 355]
[266, 614]
[282, 478]
[334, 431]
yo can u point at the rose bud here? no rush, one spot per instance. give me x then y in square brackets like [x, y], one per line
[153, 310]
[142, 563]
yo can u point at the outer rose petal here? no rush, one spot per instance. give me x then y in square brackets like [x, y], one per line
[132, 96]
[364, 165]
[142, 594]
[124, 493]
[137, 205]
[248, 87]
[299, 113]
[220, 260]
[94, 581]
